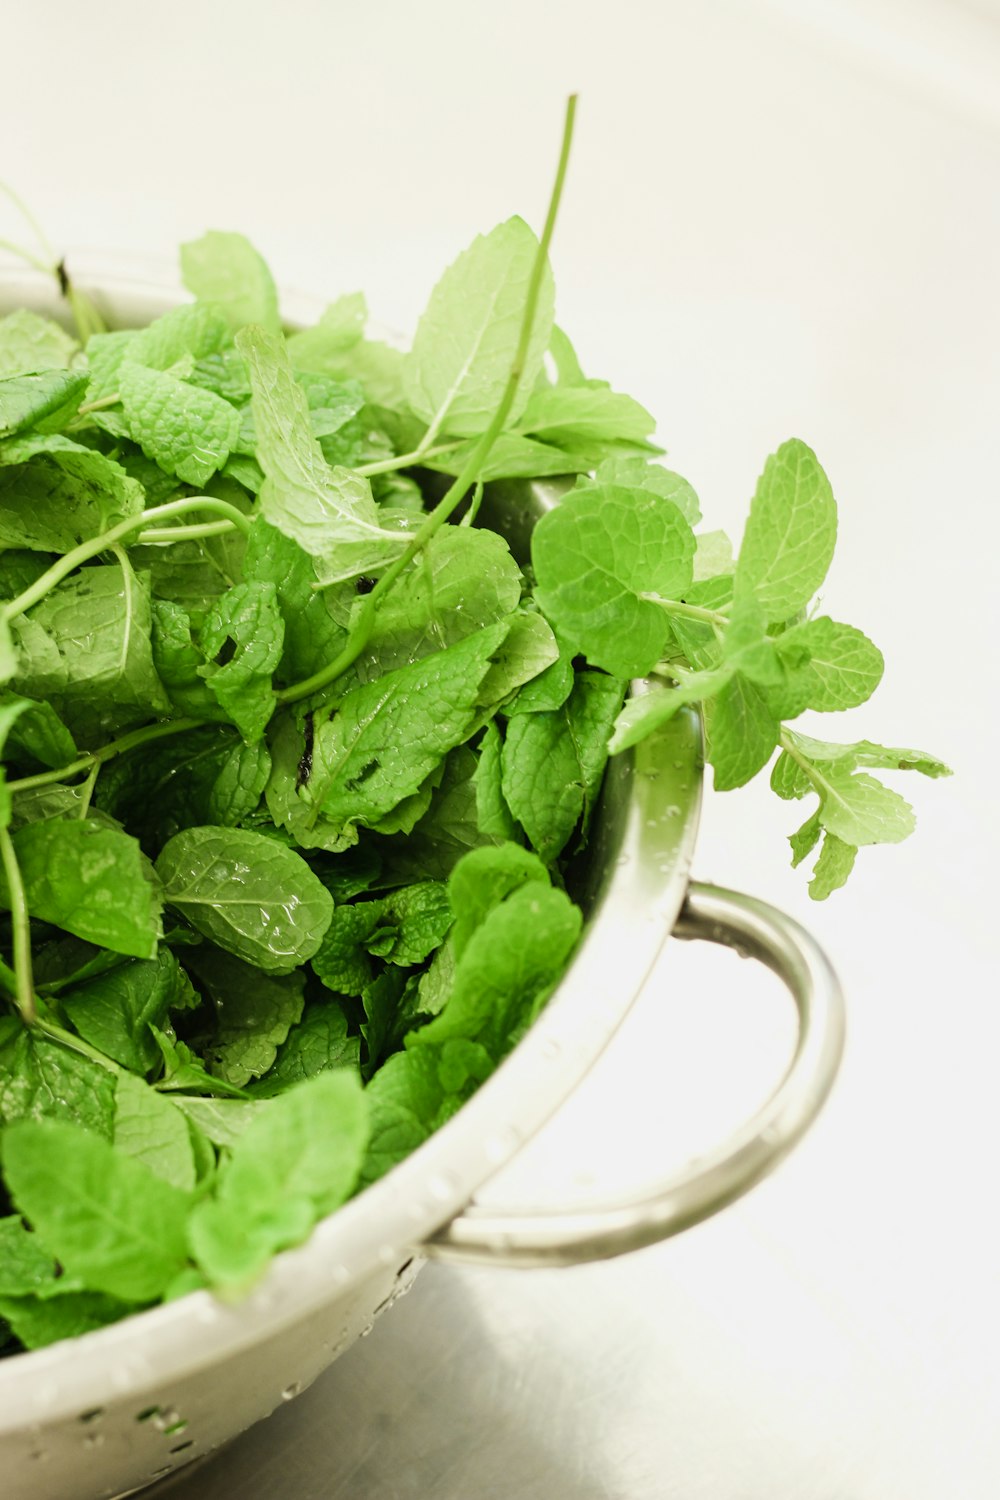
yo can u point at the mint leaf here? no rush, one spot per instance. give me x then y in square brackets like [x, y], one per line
[804, 841]
[114, 1011]
[37, 733]
[553, 763]
[493, 814]
[639, 474]
[90, 880]
[254, 1013]
[741, 732]
[312, 636]
[41, 1079]
[789, 780]
[646, 712]
[341, 326]
[249, 894]
[328, 511]
[597, 558]
[558, 413]
[39, 1321]
[29, 343]
[45, 400]
[150, 1129]
[465, 342]
[107, 1219]
[842, 667]
[413, 1094]
[485, 878]
[790, 535]
[246, 623]
[832, 868]
[318, 1043]
[85, 647]
[860, 810]
[63, 497]
[198, 330]
[187, 431]
[297, 1160]
[224, 268]
[387, 736]
[528, 648]
[26, 1267]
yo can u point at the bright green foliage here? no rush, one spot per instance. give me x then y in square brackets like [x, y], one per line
[598, 557]
[106, 1217]
[336, 712]
[225, 268]
[465, 342]
[298, 1160]
[248, 893]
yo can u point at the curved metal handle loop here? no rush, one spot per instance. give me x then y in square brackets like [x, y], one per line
[553, 1238]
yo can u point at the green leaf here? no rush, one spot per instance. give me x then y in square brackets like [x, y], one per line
[804, 841]
[514, 456]
[860, 810]
[114, 1011]
[90, 880]
[341, 326]
[207, 775]
[246, 623]
[328, 511]
[447, 831]
[37, 732]
[465, 342]
[254, 1013]
[39, 1321]
[462, 581]
[225, 268]
[506, 970]
[86, 648]
[150, 1129]
[553, 763]
[713, 555]
[842, 667]
[387, 736]
[54, 501]
[312, 636]
[741, 732]
[198, 329]
[413, 1094]
[26, 1267]
[548, 689]
[298, 1160]
[107, 1219]
[790, 535]
[29, 343]
[187, 431]
[644, 713]
[249, 894]
[45, 400]
[222, 1121]
[485, 878]
[183, 1070]
[316, 1045]
[831, 870]
[494, 816]
[41, 1079]
[342, 961]
[639, 474]
[790, 781]
[597, 557]
[558, 413]
[529, 647]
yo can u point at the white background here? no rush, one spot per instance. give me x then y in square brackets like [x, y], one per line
[781, 219]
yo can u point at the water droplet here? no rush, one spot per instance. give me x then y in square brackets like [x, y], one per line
[93, 1440]
[291, 1391]
[622, 860]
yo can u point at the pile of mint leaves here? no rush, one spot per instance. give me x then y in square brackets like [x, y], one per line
[295, 754]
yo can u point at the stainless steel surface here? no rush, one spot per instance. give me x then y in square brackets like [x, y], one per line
[533, 1237]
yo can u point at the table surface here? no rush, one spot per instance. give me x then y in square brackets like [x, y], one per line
[781, 218]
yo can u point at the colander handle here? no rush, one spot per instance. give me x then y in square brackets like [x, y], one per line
[526, 1238]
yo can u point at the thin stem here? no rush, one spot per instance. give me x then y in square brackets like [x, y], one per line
[688, 611]
[404, 460]
[31, 222]
[65, 565]
[87, 790]
[24, 989]
[188, 533]
[107, 752]
[26, 255]
[362, 628]
[99, 404]
[818, 781]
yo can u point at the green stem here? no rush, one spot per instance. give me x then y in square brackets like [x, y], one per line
[688, 611]
[405, 460]
[24, 990]
[819, 783]
[26, 256]
[188, 533]
[8, 978]
[362, 627]
[99, 404]
[107, 752]
[86, 550]
[32, 224]
[87, 790]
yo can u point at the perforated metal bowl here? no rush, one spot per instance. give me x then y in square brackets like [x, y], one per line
[111, 1412]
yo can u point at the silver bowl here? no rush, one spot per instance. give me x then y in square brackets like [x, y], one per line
[111, 1412]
